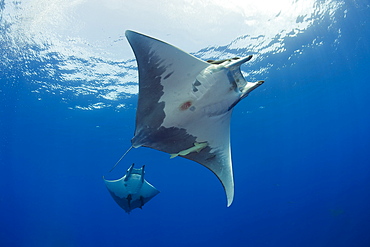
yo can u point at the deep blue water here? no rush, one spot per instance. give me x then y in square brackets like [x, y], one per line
[300, 145]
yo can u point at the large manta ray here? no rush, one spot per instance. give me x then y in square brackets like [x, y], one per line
[185, 104]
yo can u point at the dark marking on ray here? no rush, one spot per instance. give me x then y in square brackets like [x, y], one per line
[170, 138]
[151, 113]
[148, 98]
[211, 157]
[168, 75]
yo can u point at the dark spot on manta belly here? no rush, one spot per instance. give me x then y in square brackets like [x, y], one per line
[185, 105]
[211, 157]
[168, 75]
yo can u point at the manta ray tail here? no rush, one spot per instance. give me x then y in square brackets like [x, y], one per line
[128, 150]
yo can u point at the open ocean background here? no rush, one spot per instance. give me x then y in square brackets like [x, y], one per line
[300, 142]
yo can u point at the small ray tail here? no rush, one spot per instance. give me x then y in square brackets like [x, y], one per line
[128, 150]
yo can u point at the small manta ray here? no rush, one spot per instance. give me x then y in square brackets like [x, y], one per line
[132, 190]
[185, 104]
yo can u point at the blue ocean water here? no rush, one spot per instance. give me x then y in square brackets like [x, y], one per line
[300, 146]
